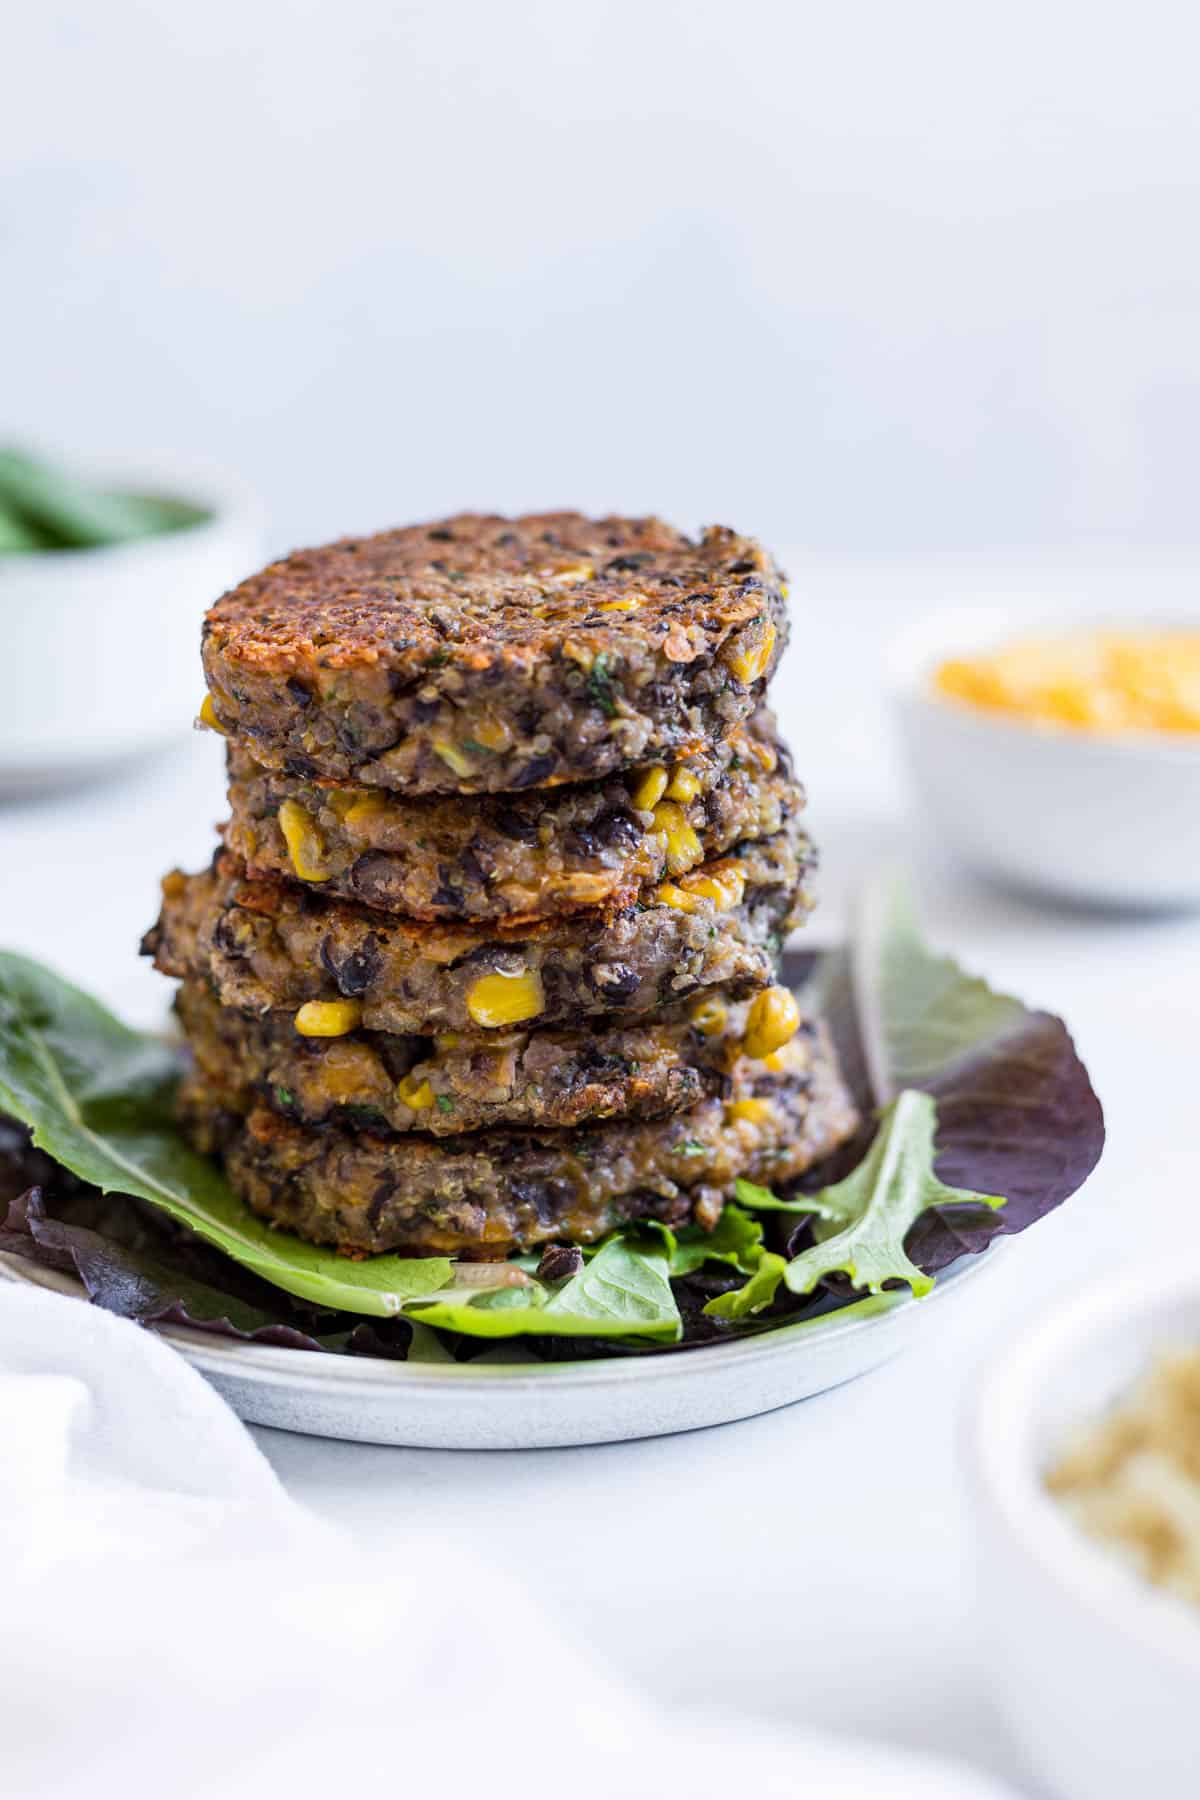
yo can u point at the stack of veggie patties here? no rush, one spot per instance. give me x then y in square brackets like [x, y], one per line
[487, 961]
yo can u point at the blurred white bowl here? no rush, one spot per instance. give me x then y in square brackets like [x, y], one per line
[102, 648]
[1098, 1671]
[1105, 821]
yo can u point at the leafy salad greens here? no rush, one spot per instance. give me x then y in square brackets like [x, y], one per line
[978, 1119]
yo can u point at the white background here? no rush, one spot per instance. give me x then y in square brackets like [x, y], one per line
[877, 281]
[860, 275]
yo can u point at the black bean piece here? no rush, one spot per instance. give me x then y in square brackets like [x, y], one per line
[355, 972]
[582, 844]
[515, 825]
[536, 770]
[559, 1262]
[617, 829]
[549, 1199]
[471, 863]
[615, 981]
[372, 876]
[445, 894]
[380, 1198]
[301, 694]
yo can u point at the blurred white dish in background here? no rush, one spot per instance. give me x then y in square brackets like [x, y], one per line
[101, 655]
[1106, 821]
[1097, 1670]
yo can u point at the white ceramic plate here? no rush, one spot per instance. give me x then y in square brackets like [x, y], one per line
[492, 1405]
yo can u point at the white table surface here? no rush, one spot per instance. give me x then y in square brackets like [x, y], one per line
[814, 1563]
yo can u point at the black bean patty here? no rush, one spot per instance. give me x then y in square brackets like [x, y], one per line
[495, 1192]
[376, 1081]
[513, 856]
[266, 945]
[481, 654]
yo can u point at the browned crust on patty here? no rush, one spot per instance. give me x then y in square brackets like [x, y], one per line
[492, 1193]
[480, 654]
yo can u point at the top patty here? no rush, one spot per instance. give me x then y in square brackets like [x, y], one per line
[482, 654]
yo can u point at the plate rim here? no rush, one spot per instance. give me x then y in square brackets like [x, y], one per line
[277, 1365]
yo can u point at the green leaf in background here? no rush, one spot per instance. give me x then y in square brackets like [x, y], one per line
[17, 536]
[624, 1290]
[919, 1012]
[97, 1097]
[868, 1215]
[49, 509]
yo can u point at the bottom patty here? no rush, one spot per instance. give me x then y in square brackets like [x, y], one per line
[489, 1194]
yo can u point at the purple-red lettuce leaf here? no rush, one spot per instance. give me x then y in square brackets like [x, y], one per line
[1017, 1115]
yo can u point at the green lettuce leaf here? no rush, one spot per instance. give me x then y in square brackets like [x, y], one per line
[624, 1290]
[761, 1199]
[756, 1294]
[97, 1098]
[736, 1240]
[867, 1216]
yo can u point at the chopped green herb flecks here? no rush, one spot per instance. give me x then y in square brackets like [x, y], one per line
[600, 686]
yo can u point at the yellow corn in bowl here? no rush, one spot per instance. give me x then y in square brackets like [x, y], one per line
[1062, 762]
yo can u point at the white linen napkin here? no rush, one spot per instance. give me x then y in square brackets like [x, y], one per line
[173, 1624]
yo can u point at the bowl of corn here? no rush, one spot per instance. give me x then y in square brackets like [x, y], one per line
[1063, 760]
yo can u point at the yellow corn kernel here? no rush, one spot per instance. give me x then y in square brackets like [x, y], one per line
[774, 1062]
[446, 1040]
[650, 789]
[506, 999]
[709, 1016]
[454, 758]
[684, 785]
[208, 716]
[328, 1018]
[750, 662]
[763, 754]
[755, 1110]
[416, 1094]
[667, 894]
[573, 572]
[366, 806]
[772, 1021]
[626, 605]
[493, 734]
[306, 846]
[724, 888]
[684, 849]
[342, 801]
